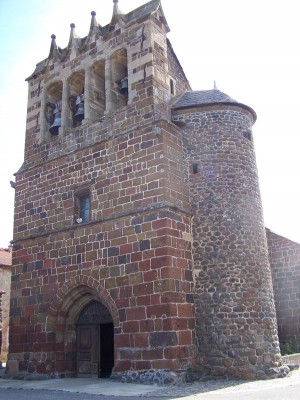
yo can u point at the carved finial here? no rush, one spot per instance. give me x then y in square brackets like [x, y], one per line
[116, 12]
[55, 51]
[53, 43]
[93, 21]
[215, 86]
[72, 33]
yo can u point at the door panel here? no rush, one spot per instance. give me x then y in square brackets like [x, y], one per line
[88, 350]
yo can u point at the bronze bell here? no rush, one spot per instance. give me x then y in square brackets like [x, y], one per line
[57, 118]
[56, 124]
[124, 85]
[79, 115]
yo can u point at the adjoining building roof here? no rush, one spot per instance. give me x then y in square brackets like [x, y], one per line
[207, 97]
[5, 258]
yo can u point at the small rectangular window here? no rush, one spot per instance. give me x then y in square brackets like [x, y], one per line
[82, 210]
[172, 87]
[195, 168]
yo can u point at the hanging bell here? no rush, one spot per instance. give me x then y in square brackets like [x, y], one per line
[56, 123]
[79, 115]
[56, 118]
[124, 85]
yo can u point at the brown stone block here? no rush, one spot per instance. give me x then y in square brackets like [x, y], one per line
[162, 286]
[122, 280]
[158, 310]
[175, 324]
[91, 255]
[135, 279]
[110, 283]
[104, 273]
[131, 268]
[162, 241]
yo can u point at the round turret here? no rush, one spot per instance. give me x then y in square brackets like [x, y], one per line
[236, 327]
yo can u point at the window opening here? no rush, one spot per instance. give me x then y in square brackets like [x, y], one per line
[84, 208]
[172, 86]
[195, 168]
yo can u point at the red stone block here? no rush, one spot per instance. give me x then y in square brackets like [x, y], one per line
[131, 326]
[122, 340]
[185, 338]
[153, 354]
[143, 289]
[140, 340]
[185, 310]
[160, 262]
[135, 313]
[147, 325]
[143, 300]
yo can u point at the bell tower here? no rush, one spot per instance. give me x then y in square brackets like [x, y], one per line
[102, 210]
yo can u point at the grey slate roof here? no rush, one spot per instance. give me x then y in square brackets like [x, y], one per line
[201, 97]
[207, 97]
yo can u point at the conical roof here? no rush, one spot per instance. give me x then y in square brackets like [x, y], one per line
[207, 97]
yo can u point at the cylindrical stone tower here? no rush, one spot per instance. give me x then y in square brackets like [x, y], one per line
[236, 326]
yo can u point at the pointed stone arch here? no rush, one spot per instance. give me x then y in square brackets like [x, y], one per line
[75, 294]
[63, 313]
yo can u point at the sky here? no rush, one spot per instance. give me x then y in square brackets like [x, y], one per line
[250, 48]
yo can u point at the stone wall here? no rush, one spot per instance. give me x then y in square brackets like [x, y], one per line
[284, 257]
[235, 311]
[5, 280]
[135, 253]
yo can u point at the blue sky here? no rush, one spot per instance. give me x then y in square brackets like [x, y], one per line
[249, 47]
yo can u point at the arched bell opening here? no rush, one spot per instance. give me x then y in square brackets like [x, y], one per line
[97, 104]
[53, 108]
[76, 99]
[95, 341]
[119, 65]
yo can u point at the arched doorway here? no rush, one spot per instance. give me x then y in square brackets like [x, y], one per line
[95, 341]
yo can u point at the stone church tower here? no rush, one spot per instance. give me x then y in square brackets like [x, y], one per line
[139, 242]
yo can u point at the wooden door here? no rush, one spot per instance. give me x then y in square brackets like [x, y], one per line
[88, 350]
